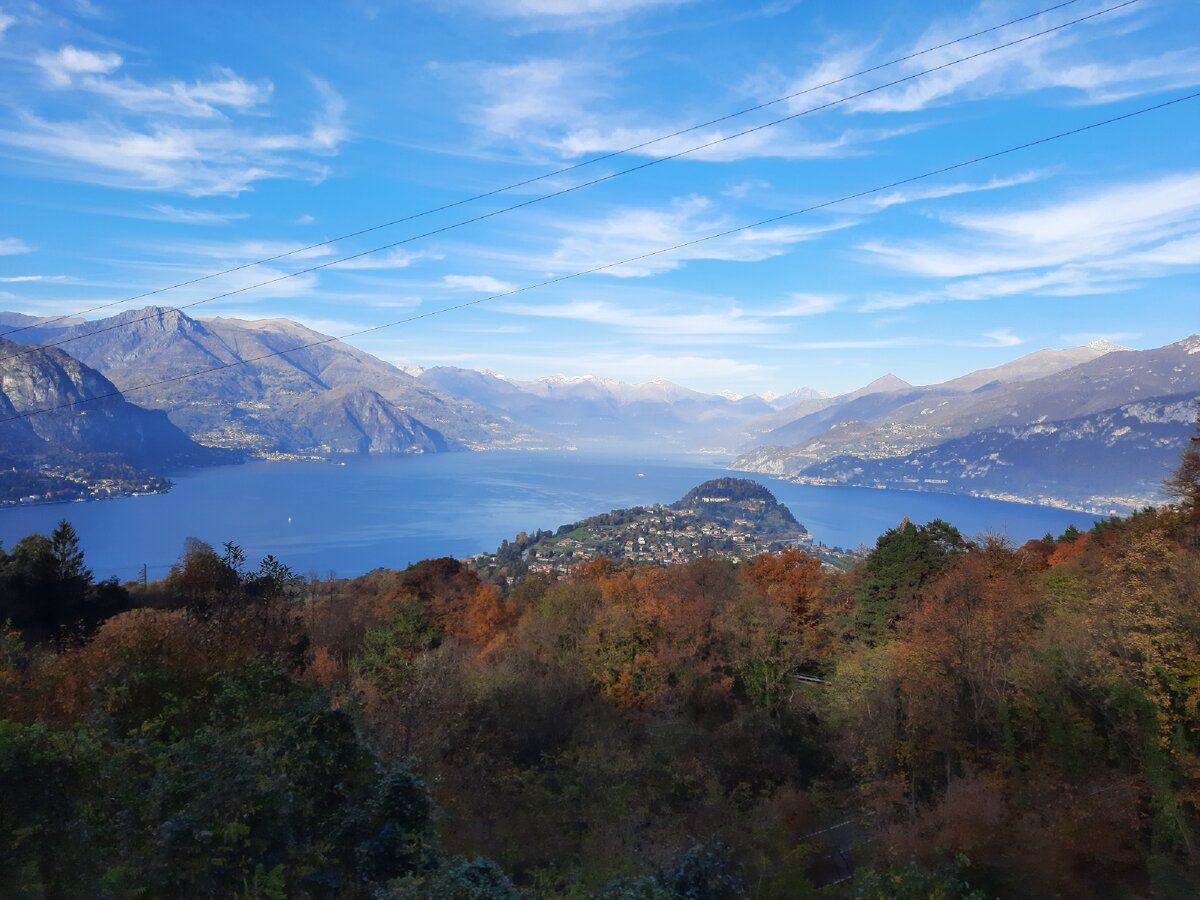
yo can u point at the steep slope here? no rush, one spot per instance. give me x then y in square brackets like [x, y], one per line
[1110, 461]
[1032, 366]
[253, 398]
[792, 422]
[1103, 383]
[50, 378]
[357, 420]
[866, 407]
[732, 502]
[810, 417]
[935, 434]
[13, 320]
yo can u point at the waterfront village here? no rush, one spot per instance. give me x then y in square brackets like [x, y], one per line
[82, 481]
[661, 535]
[728, 517]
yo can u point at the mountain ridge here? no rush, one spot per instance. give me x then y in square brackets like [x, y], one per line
[71, 449]
[262, 399]
[920, 432]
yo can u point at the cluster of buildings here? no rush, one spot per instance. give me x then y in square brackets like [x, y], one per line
[663, 536]
[58, 484]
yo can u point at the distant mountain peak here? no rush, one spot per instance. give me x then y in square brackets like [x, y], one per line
[1104, 346]
[801, 393]
[277, 325]
[888, 382]
[1191, 344]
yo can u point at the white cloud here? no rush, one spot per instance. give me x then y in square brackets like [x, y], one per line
[64, 64]
[628, 233]
[775, 142]
[167, 213]
[999, 338]
[6, 21]
[853, 344]
[482, 283]
[1064, 282]
[70, 67]
[240, 251]
[667, 324]
[1077, 59]
[564, 13]
[21, 279]
[149, 140]
[742, 189]
[13, 247]
[1106, 83]
[302, 286]
[201, 99]
[1002, 338]
[1111, 218]
[531, 100]
[390, 259]
[569, 108]
[1101, 242]
[938, 192]
[678, 322]
[807, 305]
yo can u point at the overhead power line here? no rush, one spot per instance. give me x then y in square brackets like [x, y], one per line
[534, 180]
[568, 190]
[612, 265]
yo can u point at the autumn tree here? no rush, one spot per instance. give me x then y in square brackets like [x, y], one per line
[956, 659]
[791, 579]
[1184, 482]
[203, 581]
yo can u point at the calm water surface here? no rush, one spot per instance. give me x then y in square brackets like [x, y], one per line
[393, 510]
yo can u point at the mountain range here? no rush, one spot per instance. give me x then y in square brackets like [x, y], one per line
[1092, 426]
[587, 411]
[1099, 434]
[325, 399]
[108, 447]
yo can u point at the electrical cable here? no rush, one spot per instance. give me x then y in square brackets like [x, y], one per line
[601, 268]
[559, 193]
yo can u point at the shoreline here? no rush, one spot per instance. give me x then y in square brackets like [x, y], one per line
[1123, 508]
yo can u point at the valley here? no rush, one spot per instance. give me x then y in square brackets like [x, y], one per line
[1090, 427]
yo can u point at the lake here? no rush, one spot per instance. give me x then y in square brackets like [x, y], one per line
[389, 511]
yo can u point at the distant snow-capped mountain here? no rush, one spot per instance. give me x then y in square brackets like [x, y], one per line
[587, 410]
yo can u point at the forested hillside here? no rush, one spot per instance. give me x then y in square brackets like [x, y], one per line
[953, 718]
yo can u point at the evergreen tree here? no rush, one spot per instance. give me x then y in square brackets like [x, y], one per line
[904, 560]
[68, 555]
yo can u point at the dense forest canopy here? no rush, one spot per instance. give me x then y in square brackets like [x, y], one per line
[952, 718]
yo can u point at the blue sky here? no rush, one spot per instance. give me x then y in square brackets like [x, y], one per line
[145, 144]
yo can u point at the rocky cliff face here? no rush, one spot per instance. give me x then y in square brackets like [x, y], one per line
[49, 379]
[255, 396]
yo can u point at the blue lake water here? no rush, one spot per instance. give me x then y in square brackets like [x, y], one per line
[393, 510]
